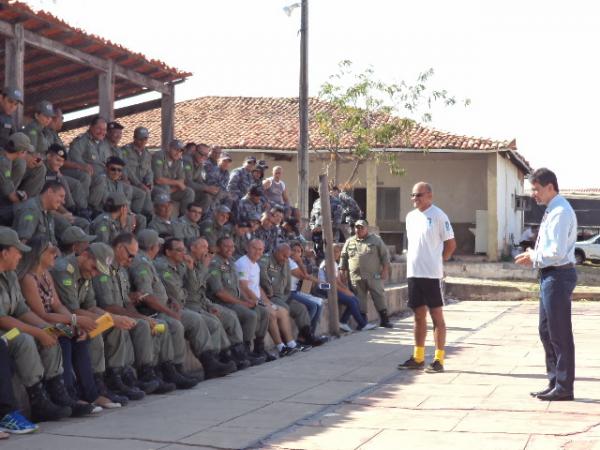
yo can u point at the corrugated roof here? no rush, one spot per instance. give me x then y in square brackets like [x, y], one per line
[70, 85]
[272, 124]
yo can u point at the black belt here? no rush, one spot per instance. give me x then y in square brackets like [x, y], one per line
[545, 270]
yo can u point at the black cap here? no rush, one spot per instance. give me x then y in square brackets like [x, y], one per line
[115, 160]
[251, 159]
[256, 191]
[114, 126]
[57, 149]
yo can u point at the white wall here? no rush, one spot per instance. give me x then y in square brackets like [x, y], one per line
[510, 221]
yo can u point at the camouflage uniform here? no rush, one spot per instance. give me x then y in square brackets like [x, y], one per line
[246, 207]
[239, 183]
[212, 231]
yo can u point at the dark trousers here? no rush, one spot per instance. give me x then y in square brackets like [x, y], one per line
[77, 363]
[7, 398]
[556, 332]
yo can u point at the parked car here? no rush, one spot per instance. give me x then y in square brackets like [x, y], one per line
[588, 249]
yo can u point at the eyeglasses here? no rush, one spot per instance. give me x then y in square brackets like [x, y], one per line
[417, 195]
[129, 254]
[178, 249]
[116, 169]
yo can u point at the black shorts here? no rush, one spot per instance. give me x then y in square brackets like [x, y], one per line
[425, 292]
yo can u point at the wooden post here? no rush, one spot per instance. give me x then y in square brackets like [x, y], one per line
[106, 92]
[167, 115]
[14, 71]
[332, 296]
[303, 157]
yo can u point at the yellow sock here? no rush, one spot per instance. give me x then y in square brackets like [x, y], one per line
[439, 355]
[419, 354]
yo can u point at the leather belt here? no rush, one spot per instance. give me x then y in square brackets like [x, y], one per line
[545, 270]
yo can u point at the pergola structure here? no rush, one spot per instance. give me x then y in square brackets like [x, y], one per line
[50, 60]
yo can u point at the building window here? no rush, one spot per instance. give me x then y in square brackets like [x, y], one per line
[388, 203]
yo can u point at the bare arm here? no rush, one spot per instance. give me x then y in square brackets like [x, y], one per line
[449, 248]
[34, 301]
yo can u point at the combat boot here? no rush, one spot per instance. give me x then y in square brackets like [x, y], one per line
[149, 386]
[174, 378]
[239, 356]
[42, 408]
[198, 375]
[255, 359]
[105, 392]
[60, 396]
[213, 367]
[148, 374]
[115, 383]
[306, 337]
[385, 320]
[259, 349]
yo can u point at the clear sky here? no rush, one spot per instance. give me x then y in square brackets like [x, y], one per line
[529, 67]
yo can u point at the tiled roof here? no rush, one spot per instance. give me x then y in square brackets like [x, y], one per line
[272, 124]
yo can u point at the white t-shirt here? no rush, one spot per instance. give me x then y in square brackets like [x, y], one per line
[294, 284]
[323, 271]
[426, 232]
[249, 271]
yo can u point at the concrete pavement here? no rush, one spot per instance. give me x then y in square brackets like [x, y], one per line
[349, 395]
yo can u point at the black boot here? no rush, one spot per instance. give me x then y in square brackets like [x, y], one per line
[197, 376]
[306, 337]
[60, 396]
[149, 384]
[255, 360]
[385, 320]
[105, 392]
[150, 374]
[238, 355]
[213, 367]
[115, 382]
[174, 378]
[259, 349]
[42, 408]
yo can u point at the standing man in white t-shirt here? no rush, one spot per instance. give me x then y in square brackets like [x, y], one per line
[275, 190]
[430, 242]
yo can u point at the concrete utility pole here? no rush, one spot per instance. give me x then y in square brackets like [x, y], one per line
[332, 296]
[303, 160]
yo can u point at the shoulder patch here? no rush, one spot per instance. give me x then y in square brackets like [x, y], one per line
[8, 173]
[28, 218]
[70, 268]
[187, 167]
[103, 278]
[143, 272]
[159, 162]
[103, 228]
[167, 274]
[67, 282]
[215, 272]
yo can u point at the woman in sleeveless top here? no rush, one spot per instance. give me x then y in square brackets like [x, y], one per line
[40, 294]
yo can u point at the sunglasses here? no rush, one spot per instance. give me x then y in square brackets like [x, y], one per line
[129, 254]
[417, 195]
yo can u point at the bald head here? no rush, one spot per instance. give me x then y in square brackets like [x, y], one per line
[422, 195]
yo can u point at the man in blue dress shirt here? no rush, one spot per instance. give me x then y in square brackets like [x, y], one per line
[554, 256]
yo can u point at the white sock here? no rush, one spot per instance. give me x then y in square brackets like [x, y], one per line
[280, 346]
[292, 344]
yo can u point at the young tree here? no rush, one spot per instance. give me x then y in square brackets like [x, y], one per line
[362, 113]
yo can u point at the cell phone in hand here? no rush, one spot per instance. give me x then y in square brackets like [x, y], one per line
[324, 286]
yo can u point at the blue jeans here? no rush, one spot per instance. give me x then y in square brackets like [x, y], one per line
[314, 305]
[352, 305]
[556, 333]
[77, 362]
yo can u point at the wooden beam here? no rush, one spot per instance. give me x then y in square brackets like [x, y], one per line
[14, 67]
[106, 92]
[167, 116]
[141, 79]
[55, 95]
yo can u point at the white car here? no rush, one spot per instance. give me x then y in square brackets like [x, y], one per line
[588, 249]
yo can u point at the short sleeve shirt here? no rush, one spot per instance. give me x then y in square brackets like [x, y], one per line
[426, 232]
[295, 280]
[249, 271]
[12, 302]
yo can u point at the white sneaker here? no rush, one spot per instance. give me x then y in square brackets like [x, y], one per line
[368, 326]
[345, 327]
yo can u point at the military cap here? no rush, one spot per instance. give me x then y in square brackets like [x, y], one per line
[114, 161]
[251, 159]
[45, 107]
[361, 223]
[57, 149]
[225, 156]
[21, 142]
[262, 164]
[256, 191]
[162, 199]
[117, 199]
[13, 93]
[114, 126]
[10, 238]
[149, 238]
[74, 234]
[224, 209]
[141, 133]
[176, 144]
[103, 255]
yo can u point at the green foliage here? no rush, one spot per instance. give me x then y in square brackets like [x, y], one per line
[367, 113]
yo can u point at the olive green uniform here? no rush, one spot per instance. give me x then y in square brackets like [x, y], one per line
[106, 228]
[33, 179]
[138, 166]
[195, 281]
[149, 350]
[145, 279]
[165, 167]
[185, 229]
[223, 276]
[194, 178]
[172, 276]
[8, 178]
[164, 227]
[365, 259]
[76, 292]
[276, 281]
[31, 219]
[127, 190]
[32, 361]
[212, 231]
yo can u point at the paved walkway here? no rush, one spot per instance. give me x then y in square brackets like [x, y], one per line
[349, 395]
